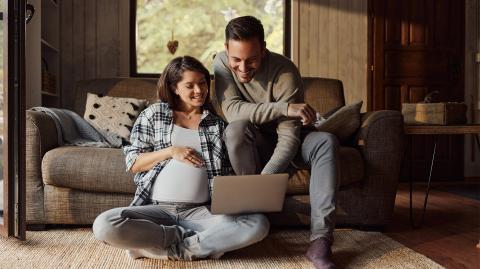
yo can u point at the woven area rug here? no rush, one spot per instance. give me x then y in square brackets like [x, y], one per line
[77, 248]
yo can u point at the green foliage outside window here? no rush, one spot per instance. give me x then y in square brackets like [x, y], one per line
[199, 28]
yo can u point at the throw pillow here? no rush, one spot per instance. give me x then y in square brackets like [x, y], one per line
[343, 123]
[113, 116]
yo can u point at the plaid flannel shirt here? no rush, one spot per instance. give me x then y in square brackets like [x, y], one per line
[152, 131]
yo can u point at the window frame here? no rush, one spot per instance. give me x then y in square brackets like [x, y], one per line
[133, 39]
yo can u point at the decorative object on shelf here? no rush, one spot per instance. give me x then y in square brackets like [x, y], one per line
[49, 80]
[172, 45]
[229, 14]
[29, 12]
[431, 97]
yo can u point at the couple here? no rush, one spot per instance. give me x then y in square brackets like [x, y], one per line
[261, 95]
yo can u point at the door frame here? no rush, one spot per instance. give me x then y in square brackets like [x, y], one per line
[14, 223]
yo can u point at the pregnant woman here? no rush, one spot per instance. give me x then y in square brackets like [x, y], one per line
[176, 150]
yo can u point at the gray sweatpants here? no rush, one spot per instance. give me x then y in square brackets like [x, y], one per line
[183, 231]
[250, 147]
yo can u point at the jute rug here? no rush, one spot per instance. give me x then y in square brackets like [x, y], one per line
[77, 248]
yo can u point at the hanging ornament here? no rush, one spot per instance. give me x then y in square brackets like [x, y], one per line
[172, 45]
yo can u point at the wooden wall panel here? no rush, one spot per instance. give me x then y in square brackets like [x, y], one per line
[323, 26]
[472, 83]
[90, 51]
[332, 42]
[107, 38]
[79, 31]
[345, 45]
[66, 51]
[295, 47]
[124, 40]
[95, 42]
[303, 47]
[314, 39]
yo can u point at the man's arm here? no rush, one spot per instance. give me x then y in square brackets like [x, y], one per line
[288, 129]
[233, 104]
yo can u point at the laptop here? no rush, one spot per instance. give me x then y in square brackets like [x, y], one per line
[248, 193]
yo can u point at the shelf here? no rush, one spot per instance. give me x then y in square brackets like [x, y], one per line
[50, 48]
[48, 45]
[49, 94]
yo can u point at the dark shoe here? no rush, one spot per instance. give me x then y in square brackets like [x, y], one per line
[320, 253]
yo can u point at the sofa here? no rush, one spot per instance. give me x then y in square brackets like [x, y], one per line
[72, 185]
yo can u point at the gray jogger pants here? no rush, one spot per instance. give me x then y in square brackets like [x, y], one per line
[249, 150]
[184, 232]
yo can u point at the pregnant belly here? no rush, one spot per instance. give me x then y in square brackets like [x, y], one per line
[181, 182]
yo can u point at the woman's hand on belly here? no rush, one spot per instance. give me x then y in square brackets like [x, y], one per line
[187, 155]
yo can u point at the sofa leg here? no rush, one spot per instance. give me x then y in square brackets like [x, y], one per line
[36, 227]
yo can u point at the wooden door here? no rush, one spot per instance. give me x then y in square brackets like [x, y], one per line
[418, 48]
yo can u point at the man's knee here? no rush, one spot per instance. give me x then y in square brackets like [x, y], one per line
[236, 130]
[327, 139]
[320, 143]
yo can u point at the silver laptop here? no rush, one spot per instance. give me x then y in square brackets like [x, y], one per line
[248, 194]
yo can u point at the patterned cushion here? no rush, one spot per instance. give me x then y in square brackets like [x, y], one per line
[113, 116]
[343, 123]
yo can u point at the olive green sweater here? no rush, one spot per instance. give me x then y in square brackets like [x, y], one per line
[264, 100]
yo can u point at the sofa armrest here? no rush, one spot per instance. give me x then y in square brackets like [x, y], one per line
[41, 136]
[381, 141]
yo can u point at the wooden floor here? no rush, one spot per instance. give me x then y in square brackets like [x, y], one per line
[451, 229]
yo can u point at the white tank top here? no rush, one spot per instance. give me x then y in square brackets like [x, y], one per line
[179, 181]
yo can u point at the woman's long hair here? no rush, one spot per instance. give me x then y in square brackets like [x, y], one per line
[172, 74]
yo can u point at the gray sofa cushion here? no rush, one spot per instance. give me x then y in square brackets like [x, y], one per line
[93, 169]
[87, 169]
[69, 206]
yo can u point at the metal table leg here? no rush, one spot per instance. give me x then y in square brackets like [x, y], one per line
[412, 220]
[477, 139]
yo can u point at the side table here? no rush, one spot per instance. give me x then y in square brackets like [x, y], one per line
[436, 130]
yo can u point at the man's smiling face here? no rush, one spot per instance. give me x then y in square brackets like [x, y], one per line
[245, 57]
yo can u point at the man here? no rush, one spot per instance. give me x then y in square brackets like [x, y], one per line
[261, 95]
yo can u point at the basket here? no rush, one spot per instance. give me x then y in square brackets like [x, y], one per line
[434, 113]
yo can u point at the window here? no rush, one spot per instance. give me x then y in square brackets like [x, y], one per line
[165, 29]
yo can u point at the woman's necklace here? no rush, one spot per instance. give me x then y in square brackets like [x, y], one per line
[185, 115]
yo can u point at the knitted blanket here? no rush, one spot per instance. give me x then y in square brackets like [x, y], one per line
[74, 130]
